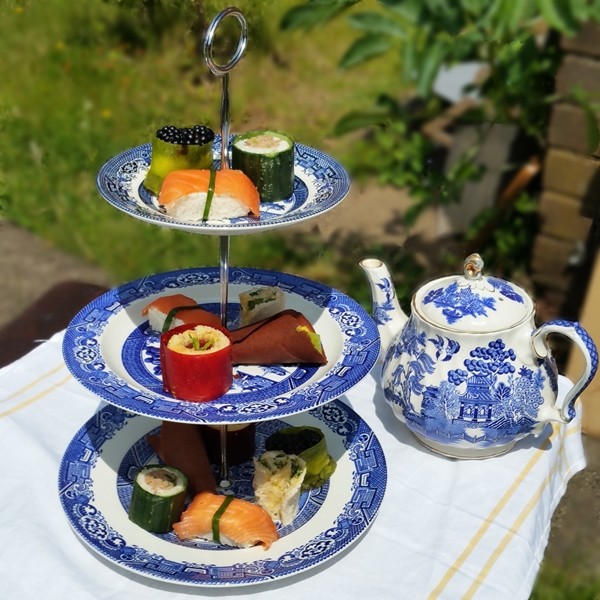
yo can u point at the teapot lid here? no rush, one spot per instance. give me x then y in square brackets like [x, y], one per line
[471, 302]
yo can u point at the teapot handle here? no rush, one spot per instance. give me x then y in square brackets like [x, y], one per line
[582, 339]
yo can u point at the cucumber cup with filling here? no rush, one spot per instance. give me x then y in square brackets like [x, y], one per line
[267, 158]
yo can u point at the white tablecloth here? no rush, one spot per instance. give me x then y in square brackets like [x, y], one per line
[446, 528]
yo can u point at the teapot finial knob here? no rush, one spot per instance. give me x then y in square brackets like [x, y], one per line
[473, 267]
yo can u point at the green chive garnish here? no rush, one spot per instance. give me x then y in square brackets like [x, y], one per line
[209, 194]
[217, 517]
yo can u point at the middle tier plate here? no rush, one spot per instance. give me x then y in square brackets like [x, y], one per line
[110, 349]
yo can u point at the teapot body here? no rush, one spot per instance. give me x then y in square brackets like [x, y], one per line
[469, 395]
[468, 372]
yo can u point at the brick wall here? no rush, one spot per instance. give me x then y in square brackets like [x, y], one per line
[570, 194]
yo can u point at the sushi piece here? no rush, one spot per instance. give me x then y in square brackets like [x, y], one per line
[196, 362]
[267, 157]
[158, 497]
[207, 195]
[277, 484]
[181, 445]
[259, 303]
[175, 148]
[185, 312]
[226, 520]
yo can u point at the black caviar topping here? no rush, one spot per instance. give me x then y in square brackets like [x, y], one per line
[198, 135]
[293, 443]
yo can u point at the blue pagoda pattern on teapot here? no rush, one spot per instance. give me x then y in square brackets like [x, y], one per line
[486, 400]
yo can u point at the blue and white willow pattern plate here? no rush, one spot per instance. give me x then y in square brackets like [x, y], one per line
[110, 349]
[320, 183]
[95, 489]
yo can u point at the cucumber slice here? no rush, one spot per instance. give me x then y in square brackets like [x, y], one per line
[267, 158]
[158, 497]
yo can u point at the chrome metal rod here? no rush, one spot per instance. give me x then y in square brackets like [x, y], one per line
[223, 70]
[224, 285]
[224, 276]
[224, 481]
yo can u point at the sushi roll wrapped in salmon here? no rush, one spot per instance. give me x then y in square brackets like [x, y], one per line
[226, 520]
[174, 310]
[209, 195]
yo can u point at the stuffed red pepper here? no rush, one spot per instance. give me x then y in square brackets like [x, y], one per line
[196, 362]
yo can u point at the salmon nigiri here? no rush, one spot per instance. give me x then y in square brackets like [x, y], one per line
[184, 195]
[238, 523]
[158, 310]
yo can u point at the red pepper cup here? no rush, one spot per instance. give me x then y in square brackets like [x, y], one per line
[195, 377]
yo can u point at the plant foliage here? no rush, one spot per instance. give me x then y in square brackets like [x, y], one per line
[513, 42]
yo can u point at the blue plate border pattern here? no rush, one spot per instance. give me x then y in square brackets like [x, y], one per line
[82, 350]
[119, 182]
[78, 498]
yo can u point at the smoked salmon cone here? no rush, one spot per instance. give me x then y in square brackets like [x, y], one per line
[181, 445]
[287, 337]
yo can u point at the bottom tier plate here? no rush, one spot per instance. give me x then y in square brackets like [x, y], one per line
[95, 484]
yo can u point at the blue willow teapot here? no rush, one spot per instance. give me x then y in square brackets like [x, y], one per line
[468, 372]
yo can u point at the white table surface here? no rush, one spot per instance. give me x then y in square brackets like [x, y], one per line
[446, 528]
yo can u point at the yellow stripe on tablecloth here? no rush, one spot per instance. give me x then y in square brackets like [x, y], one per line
[34, 382]
[454, 568]
[512, 531]
[34, 398]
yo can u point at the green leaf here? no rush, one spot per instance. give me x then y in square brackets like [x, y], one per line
[409, 61]
[557, 13]
[309, 16]
[412, 213]
[364, 49]
[429, 67]
[581, 10]
[359, 120]
[591, 128]
[410, 10]
[376, 23]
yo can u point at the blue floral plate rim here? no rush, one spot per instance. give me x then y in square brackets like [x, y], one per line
[108, 349]
[320, 184]
[88, 481]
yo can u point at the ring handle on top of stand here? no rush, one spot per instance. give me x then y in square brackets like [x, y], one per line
[210, 34]
[223, 70]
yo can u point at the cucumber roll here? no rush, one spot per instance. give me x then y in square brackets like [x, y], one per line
[158, 497]
[267, 158]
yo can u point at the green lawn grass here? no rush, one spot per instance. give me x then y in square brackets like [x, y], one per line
[74, 95]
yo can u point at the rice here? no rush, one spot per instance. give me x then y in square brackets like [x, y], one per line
[191, 207]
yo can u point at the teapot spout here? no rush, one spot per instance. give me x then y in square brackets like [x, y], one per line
[387, 313]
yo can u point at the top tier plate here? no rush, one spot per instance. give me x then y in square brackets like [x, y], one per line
[320, 183]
